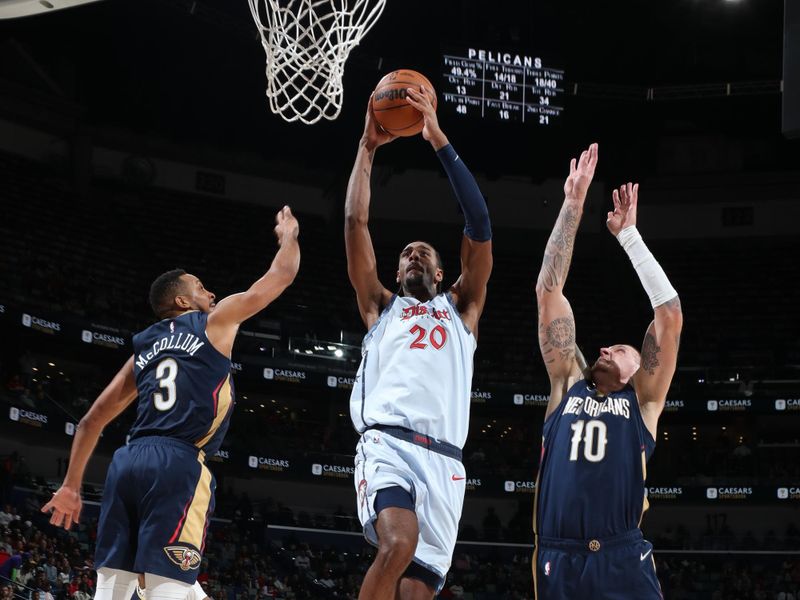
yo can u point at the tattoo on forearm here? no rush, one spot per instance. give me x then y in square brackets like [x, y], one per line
[650, 350]
[557, 339]
[558, 253]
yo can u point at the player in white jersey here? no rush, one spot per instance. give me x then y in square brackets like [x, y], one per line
[411, 397]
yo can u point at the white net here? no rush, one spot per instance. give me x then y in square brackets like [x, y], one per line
[307, 43]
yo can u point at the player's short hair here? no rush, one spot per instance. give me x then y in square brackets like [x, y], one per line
[164, 289]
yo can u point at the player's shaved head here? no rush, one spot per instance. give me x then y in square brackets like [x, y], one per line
[164, 289]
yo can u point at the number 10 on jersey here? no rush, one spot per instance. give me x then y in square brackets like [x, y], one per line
[593, 435]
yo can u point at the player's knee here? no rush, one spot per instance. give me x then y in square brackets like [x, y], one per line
[397, 549]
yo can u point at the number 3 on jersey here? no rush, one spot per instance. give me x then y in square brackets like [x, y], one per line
[437, 337]
[166, 372]
[594, 440]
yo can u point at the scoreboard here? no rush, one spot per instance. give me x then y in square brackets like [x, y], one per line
[481, 83]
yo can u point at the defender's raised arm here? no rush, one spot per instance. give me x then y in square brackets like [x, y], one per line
[556, 321]
[660, 346]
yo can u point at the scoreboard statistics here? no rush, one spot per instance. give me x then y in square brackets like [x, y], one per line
[501, 85]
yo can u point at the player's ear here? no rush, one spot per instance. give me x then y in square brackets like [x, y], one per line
[183, 302]
[438, 276]
[398, 276]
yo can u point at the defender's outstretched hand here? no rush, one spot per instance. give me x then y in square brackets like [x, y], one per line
[624, 213]
[374, 135]
[66, 507]
[286, 225]
[423, 102]
[581, 172]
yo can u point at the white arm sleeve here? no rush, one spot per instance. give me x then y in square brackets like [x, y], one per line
[652, 276]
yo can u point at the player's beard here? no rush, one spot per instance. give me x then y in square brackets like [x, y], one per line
[605, 374]
[416, 282]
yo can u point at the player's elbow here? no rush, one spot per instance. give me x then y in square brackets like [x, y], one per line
[283, 275]
[670, 315]
[353, 220]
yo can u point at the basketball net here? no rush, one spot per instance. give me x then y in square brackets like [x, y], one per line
[307, 43]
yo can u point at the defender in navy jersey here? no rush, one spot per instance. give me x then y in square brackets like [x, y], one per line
[159, 494]
[600, 424]
[411, 398]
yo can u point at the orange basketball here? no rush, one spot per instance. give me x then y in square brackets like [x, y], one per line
[389, 104]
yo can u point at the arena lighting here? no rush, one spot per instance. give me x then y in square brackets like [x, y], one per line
[338, 353]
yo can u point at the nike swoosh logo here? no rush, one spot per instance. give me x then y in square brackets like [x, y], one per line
[645, 555]
[457, 478]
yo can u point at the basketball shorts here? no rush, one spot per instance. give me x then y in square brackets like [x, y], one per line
[431, 472]
[157, 502]
[617, 568]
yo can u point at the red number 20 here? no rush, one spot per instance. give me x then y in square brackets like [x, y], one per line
[437, 337]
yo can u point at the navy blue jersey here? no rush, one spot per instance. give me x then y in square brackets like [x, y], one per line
[593, 466]
[185, 385]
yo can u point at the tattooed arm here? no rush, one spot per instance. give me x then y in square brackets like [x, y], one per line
[361, 263]
[660, 346]
[556, 321]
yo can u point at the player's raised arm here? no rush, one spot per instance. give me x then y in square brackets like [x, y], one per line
[660, 346]
[361, 264]
[556, 321]
[230, 312]
[66, 502]
[476, 246]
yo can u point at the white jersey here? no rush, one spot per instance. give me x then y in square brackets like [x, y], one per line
[416, 370]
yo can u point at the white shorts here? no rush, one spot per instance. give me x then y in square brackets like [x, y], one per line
[436, 483]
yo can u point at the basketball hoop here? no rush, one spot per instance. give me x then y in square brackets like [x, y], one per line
[307, 43]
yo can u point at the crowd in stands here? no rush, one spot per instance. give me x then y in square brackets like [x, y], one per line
[245, 561]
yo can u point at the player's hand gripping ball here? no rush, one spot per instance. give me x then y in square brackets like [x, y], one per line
[390, 107]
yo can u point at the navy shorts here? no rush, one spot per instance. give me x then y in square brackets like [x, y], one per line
[157, 502]
[616, 568]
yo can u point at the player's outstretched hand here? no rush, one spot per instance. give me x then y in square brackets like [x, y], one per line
[624, 214]
[422, 100]
[65, 506]
[581, 172]
[286, 225]
[374, 134]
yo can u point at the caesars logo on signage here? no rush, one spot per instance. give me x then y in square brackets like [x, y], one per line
[524, 487]
[69, 428]
[40, 324]
[27, 417]
[531, 399]
[340, 471]
[479, 397]
[473, 484]
[673, 405]
[729, 493]
[664, 493]
[102, 339]
[284, 375]
[2, 309]
[342, 383]
[266, 463]
[791, 404]
[221, 456]
[790, 493]
[729, 405]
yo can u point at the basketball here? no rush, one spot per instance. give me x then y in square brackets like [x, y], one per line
[389, 104]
